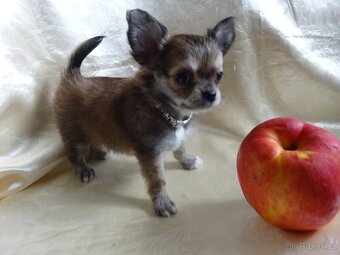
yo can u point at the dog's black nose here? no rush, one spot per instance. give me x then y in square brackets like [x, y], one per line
[209, 96]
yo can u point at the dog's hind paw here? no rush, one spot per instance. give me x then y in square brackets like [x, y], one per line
[86, 174]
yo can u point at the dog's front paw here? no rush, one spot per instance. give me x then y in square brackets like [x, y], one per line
[86, 174]
[191, 162]
[164, 206]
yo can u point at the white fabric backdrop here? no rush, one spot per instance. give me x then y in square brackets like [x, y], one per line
[284, 61]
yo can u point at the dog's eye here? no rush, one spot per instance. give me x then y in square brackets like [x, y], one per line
[184, 78]
[219, 76]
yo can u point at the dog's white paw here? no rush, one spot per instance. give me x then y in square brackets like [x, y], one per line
[191, 162]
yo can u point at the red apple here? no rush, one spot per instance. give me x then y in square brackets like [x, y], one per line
[289, 172]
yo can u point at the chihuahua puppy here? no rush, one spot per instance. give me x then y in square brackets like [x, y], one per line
[148, 114]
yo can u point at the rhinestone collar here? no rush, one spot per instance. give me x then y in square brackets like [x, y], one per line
[172, 121]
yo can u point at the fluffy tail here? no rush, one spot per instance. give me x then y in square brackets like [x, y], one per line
[82, 51]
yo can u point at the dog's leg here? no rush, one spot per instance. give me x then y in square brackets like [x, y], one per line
[152, 168]
[96, 154]
[188, 162]
[76, 153]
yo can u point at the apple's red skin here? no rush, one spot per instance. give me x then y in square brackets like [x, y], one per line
[289, 172]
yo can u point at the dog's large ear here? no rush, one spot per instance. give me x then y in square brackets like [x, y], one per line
[145, 35]
[223, 33]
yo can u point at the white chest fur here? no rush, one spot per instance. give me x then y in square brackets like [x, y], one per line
[180, 134]
[174, 139]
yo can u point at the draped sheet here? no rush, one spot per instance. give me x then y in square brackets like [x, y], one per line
[284, 62]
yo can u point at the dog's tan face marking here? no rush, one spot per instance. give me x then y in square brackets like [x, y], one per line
[181, 81]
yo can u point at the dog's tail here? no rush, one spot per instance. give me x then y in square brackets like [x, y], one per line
[81, 52]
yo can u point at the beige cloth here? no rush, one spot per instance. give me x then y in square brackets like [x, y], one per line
[284, 61]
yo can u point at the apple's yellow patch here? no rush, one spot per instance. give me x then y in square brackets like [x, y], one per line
[303, 154]
[276, 208]
[277, 205]
[279, 158]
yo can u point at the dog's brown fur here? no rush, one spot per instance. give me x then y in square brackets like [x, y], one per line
[119, 114]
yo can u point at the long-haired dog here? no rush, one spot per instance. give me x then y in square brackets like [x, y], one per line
[148, 114]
